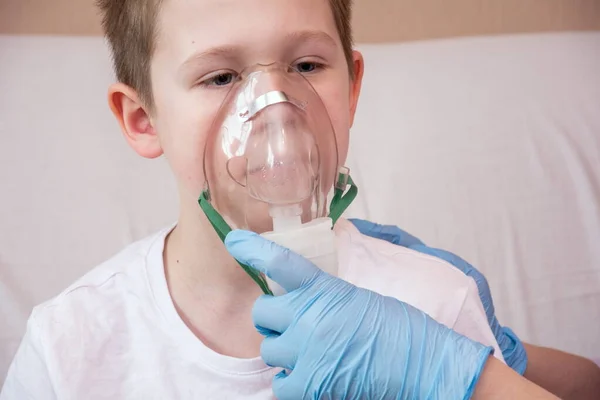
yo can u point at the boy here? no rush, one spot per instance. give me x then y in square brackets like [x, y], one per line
[170, 316]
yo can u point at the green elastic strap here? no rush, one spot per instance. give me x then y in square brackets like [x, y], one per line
[222, 229]
[341, 201]
[339, 204]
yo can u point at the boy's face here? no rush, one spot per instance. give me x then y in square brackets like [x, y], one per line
[202, 44]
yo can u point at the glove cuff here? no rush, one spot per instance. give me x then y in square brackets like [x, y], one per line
[513, 351]
[454, 365]
[482, 359]
[462, 364]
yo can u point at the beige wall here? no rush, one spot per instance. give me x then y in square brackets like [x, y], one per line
[375, 20]
[394, 20]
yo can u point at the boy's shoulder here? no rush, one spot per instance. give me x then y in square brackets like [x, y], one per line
[102, 290]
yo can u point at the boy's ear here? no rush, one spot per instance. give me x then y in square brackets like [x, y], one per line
[134, 120]
[358, 64]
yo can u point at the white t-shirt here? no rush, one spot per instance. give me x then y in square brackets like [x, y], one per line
[115, 333]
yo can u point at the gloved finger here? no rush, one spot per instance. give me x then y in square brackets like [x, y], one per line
[389, 233]
[272, 314]
[290, 270]
[287, 387]
[278, 351]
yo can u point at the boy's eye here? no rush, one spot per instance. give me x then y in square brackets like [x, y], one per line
[306, 67]
[222, 79]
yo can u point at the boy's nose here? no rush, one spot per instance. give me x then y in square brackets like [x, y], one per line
[269, 80]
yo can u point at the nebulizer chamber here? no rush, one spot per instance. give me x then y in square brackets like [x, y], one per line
[271, 160]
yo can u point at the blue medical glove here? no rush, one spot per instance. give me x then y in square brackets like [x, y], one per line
[512, 348]
[338, 341]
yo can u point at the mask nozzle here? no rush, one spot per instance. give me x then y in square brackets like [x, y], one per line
[286, 217]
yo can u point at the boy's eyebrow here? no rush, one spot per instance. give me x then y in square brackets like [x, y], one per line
[232, 52]
[215, 52]
[311, 36]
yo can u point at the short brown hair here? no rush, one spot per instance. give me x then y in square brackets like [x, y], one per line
[130, 27]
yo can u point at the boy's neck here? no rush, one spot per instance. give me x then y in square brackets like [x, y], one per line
[195, 254]
[211, 292]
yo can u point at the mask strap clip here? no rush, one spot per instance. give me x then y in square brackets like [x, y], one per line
[222, 229]
[341, 200]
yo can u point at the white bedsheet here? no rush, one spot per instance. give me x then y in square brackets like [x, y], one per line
[489, 147]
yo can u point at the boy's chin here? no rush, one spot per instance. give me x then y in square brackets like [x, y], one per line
[257, 218]
[239, 213]
[249, 215]
[254, 218]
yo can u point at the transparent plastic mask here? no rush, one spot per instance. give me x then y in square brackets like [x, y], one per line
[271, 156]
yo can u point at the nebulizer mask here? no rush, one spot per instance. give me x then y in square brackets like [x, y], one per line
[270, 163]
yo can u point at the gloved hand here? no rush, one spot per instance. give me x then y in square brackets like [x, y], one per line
[512, 348]
[343, 342]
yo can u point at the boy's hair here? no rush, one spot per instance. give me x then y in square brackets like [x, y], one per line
[130, 27]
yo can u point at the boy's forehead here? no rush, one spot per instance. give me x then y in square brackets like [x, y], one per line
[188, 26]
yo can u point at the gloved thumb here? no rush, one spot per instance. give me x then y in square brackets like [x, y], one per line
[389, 233]
[290, 270]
